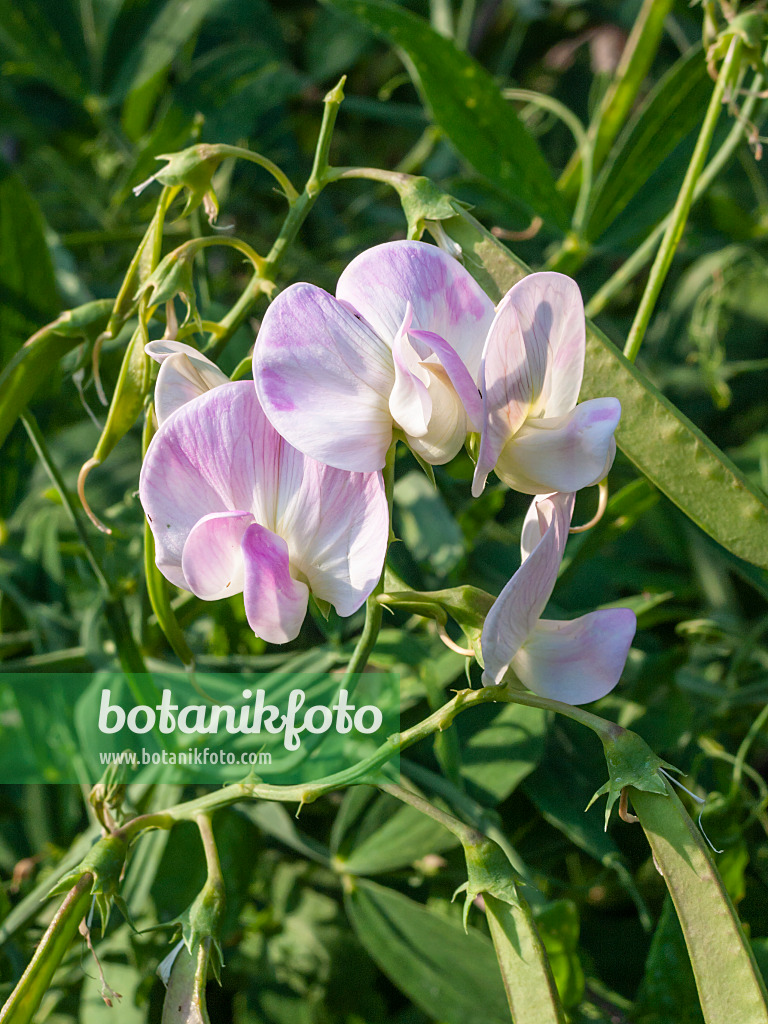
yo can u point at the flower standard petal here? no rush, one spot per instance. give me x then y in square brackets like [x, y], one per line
[445, 298]
[508, 384]
[324, 378]
[184, 374]
[577, 661]
[212, 560]
[275, 602]
[565, 454]
[518, 608]
[550, 313]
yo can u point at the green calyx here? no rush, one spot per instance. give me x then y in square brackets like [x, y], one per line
[467, 606]
[193, 169]
[631, 762]
[105, 862]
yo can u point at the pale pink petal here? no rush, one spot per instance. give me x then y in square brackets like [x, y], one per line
[563, 454]
[457, 373]
[275, 602]
[324, 378]
[508, 388]
[212, 561]
[217, 453]
[445, 298]
[409, 401]
[181, 378]
[550, 312]
[337, 525]
[578, 661]
[518, 608]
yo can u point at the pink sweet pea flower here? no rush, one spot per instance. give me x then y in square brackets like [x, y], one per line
[576, 661]
[234, 508]
[184, 374]
[534, 434]
[398, 347]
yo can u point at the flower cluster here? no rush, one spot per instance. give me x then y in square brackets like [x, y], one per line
[273, 487]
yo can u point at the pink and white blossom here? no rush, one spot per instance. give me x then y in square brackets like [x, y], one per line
[399, 346]
[534, 435]
[234, 508]
[576, 661]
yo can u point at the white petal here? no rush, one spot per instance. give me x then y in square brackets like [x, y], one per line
[181, 378]
[212, 560]
[518, 608]
[448, 425]
[563, 454]
[577, 661]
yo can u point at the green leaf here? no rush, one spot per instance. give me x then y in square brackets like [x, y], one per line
[174, 25]
[31, 366]
[729, 982]
[663, 443]
[28, 296]
[468, 106]
[670, 113]
[500, 747]
[425, 524]
[403, 835]
[451, 975]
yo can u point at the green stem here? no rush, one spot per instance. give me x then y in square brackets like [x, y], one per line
[114, 609]
[25, 999]
[212, 862]
[256, 158]
[302, 793]
[676, 226]
[741, 754]
[262, 281]
[373, 610]
[643, 255]
[38, 443]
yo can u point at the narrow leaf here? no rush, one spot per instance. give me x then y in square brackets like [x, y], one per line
[468, 106]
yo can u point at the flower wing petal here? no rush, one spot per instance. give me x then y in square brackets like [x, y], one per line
[212, 560]
[577, 661]
[518, 608]
[380, 282]
[275, 603]
[217, 453]
[563, 454]
[324, 378]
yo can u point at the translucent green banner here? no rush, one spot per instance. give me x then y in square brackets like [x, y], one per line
[281, 728]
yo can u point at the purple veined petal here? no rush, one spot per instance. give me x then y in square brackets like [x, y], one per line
[563, 454]
[458, 374]
[324, 379]
[550, 314]
[212, 561]
[444, 296]
[275, 602]
[507, 387]
[519, 606]
[184, 374]
[337, 526]
[448, 424]
[409, 400]
[577, 661]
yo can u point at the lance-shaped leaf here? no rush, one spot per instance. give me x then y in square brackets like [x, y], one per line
[663, 443]
[468, 106]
